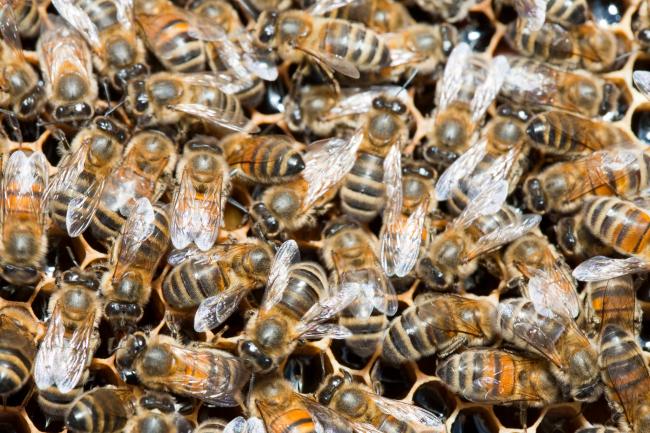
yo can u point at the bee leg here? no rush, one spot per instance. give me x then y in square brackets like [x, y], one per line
[107, 92]
[523, 417]
[237, 205]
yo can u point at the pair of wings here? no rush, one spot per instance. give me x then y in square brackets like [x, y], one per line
[137, 228]
[24, 184]
[429, 311]
[61, 361]
[9, 30]
[196, 218]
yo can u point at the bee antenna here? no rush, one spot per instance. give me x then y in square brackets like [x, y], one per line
[237, 205]
[408, 82]
[115, 107]
[72, 257]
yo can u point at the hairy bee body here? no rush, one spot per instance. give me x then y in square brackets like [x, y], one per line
[449, 10]
[577, 242]
[383, 16]
[17, 352]
[612, 302]
[598, 429]
[100, 410]
[22, 90]
[55, 403]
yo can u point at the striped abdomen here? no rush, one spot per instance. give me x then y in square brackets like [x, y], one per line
[551, 43]
[189, 283]
[102, 13]
[619, 224]
[167, 35]
[598, 429]
[612, 302]
[106, 224]
[567, 12]
[362, 193]
[264, 159]
[352, 42]
[54, 403]
[296, 420]
[152, 249]
[98, 411]
[366, 333]
[213, 98]
[59, 206]
[390, 424]
[306, 287]
[17, 354]
[627, 178]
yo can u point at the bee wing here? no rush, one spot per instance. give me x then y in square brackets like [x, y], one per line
[124, 13]
[532, 329]
[61, 47]
[330, 421]
[326, 164]
[243, 425]
[375, 291]
[48, 356]
[503, 235]
[331, 61]
[81, 209]
[359, 102]
[489, 89]
[642, 82]
[553, 292]
[459, 169]
[136, 229]
[79, 19]
[9, 29]
[287, 255]
[407, 412]
[213, 311]
[257, 60]
[212, 115]
[533, 12]
[183, 204]
[452, 79]
[464, 325]
[604, 168]
[24, 185]
[498, 170]
[70, 167]
[321, 7]
[75, 355]
[207, 216]
[326, 309]
[485, 202]
[601, 268]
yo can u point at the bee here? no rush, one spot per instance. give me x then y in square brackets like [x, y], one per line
[573, 359]
[418, 180]
[567, 13]
[626, 376]
[296, 303]
[499, 377]
[264, 159]
[101, 410]
[576, 241]
[24, 218]
[294, 33]
[468, 87]
[76, 189]
[17, 354]
[66, 66]
[448, 10]
[160, 363]
[382, 16]
[358, 403]
[349, 251]
[227, 272]
[65, 353]
[109, 28]
[28, 18]
[164, 98]
[296, 204]
[144, 172]
[612, 302]
[134, 257]
[203, 180]
[420, 331]
[569, 136]
[534, 84]
[20, 87]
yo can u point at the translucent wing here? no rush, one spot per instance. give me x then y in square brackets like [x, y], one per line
[48, 356]
[136, 229]
[533, 12]
[503, 235]
[604, 268]
[408, 413]
[181, 213]
[25, 182]
[327, 330]
[642, 82]
[486, 202]
[207, 216]
[326, 309]
[228, 82]
[452, 79]
[212, 115]
[321, 7]
[359, 101]
[124, 13]
[9, 29]
[81, 209]
[459, 169]
[75, 355]
[330, 421]
[552, 292]
[374, 289]
[69, 169]
[331, 61]
[393, 183]
[464, 325]
[203, 28]
[497, 170]
[243, 425]
[213, 311]
[80, 20]
[287, 255]
[257, 62]
[488, 90]
[604, 169]
[326, 163]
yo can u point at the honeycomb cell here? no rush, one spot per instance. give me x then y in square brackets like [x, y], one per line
[597, 412]
[435, 397]
[515, 417]
[475, 420]
[101, 375]
[305, 372]
[607, 12]
[12, 422]
[641, 124]
[644, 335]
[477, 31]
[561, 419]
[428, 365]
[346, 357]
[41, 421]
[396, 382]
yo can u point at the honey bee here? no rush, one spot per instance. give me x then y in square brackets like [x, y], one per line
[60, 367]
[75, 191]
[164, 98]
[359, 404]
[227, 272]
[612, 302]
[66, 66]
[144, 172]
[264, 159]
[576, 241]
[109, 28]
[624, 372]
[101, 410]
[162, 364]
[197, 205]
[499, 377]
[573, 359]
[24, 218]
[349, 251]
[382, 16]
[296, 303]
[20, 88]
[567, 13]
[295, 204]
[17, 353]
[420, 331]
[569, 136]
[534, 84]
[27, 16]
[468, 87]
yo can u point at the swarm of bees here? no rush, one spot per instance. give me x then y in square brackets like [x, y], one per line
[324, 216]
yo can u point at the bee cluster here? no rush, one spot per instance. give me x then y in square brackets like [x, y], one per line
[333, 215]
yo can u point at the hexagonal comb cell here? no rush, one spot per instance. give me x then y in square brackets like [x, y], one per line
[560, 419]
[475, 420]
[435, 397]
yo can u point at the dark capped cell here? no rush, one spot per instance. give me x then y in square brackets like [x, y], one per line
[474, 420]
[396, 382]
[641, 125]
[436, 398]
[477, 31]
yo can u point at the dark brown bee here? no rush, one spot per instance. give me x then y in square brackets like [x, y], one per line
[17, 353]
[101, 410]
[612, 302]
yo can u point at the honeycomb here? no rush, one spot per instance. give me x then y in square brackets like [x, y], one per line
[413, 382]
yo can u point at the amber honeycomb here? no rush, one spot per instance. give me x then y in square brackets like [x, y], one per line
[412, 382]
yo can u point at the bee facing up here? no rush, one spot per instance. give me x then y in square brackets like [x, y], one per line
[17, 354]
[102, 409]
[160, 363]
[359, 404]
[65, 353]
[24, 218]
[109, 28]
[468, 87]
[66, 66]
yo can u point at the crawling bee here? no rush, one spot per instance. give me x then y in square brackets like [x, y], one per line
[17, 353]
[104, 409]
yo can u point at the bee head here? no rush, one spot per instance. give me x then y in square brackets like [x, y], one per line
[129, 350]
[331, 386]
[254, 357]
[534, 195]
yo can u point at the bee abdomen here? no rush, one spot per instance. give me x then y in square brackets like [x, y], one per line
[99, 411]
[621, 358]
[55, 403]
[186, 286]
[567, 12]
[408, 339]
[362, 194]
[355, 43]
[307, 284]
[106, 224]
[390, 424]
[102, 13]
[367, 334]
[15, 368]
[293, 421]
